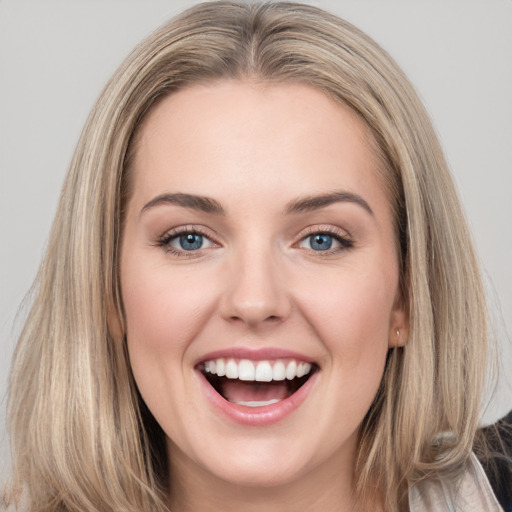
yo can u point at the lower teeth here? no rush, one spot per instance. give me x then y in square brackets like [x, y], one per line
[258, 403]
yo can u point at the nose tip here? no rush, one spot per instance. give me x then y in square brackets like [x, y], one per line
[256, 296]
[254, 312]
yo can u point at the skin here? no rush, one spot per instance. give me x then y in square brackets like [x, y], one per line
[257, 282]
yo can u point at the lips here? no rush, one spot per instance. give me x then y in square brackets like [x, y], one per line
[250, 388]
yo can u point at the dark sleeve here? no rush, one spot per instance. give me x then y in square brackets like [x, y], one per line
[496, 459]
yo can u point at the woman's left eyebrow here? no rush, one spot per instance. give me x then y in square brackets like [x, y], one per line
[311, 203]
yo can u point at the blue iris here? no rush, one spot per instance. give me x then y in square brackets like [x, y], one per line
[320, 242]
[191, 241]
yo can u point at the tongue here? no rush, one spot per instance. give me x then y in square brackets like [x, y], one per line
[237, 391]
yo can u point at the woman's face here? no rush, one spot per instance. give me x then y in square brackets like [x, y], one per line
[259, 279]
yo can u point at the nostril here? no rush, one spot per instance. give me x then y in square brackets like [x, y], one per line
[254, 319]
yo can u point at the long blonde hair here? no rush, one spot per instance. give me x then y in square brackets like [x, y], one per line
[81, 437]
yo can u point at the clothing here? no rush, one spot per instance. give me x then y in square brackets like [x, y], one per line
[471, 494]
[498, 463]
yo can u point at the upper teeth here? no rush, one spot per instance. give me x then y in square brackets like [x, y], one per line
[260, 371]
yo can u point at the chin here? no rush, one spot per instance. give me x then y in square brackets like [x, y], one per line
[256, 473]
[254, 463]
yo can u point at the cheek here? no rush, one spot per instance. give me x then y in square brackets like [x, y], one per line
[163, 309]
[356, 305]
[352, 317]
[150, 332]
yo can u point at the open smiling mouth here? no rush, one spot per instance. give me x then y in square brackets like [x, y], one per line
[256, 383]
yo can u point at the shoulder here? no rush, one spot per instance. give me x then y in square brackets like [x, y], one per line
[471, 493]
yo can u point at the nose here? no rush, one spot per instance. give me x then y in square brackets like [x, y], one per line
[255, 293]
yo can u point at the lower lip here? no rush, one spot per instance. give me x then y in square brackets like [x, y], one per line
[258, 416]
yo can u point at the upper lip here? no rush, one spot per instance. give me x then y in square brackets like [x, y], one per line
[254, 354]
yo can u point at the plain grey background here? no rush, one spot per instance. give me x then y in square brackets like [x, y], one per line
[56, 55]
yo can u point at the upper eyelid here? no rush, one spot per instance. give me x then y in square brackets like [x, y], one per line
[324, 228]
[189, 228]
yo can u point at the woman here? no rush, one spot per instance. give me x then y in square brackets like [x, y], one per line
[254, 295]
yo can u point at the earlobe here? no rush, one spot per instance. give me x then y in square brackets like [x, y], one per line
[398, 337]
[399, 325]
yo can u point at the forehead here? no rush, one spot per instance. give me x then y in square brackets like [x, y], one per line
[234, 135]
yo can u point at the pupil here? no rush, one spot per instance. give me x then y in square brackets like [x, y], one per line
[321, 242]
[191, 241]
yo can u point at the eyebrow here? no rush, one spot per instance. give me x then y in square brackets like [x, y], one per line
[301, 205]
[200, 203]
[311, 203]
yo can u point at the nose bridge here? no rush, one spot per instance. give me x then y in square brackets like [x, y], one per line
[256, 293]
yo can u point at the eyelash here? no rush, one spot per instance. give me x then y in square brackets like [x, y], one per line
[345, 241]
[165, 240]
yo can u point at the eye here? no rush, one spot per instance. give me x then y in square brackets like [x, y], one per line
[322, 241]
[185, 242]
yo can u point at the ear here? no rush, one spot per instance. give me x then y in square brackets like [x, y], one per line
[114, 323]
[399, 322]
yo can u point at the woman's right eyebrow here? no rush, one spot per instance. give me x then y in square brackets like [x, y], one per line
[200, 203]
